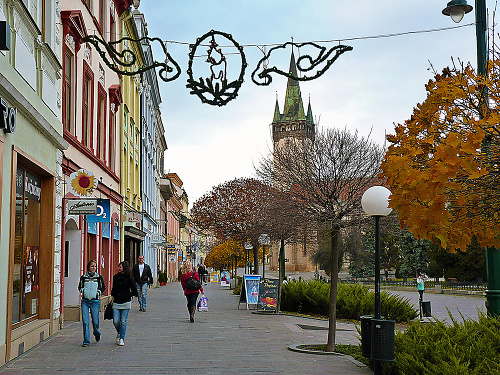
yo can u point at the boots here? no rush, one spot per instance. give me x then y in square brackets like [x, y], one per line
[192, 310]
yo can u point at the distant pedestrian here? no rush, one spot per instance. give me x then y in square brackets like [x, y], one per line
[91, 286]
[143, 278]
[420, 285]
[191, 295]
[123, 290]
[201, 273]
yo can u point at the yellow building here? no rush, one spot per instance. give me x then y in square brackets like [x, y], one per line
[132, 234]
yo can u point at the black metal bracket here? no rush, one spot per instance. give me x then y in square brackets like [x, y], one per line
[122, 62]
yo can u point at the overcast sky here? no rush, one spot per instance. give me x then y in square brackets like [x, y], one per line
[367, 89]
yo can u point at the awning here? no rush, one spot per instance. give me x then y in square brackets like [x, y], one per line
[134, 233]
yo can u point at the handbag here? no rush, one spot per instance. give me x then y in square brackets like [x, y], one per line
[203, 303]
[192, 283]
[108, 311]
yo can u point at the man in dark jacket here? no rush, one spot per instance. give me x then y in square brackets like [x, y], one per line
[142, 277]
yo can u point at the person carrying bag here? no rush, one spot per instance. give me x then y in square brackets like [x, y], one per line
[191, 285]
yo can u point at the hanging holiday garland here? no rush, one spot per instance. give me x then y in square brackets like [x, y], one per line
[216, 89]
[216, 86]
[310, 66]
[124, 62]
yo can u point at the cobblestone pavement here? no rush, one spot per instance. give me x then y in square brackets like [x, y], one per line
[224, 340]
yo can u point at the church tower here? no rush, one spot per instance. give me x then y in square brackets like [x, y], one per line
[293, 122]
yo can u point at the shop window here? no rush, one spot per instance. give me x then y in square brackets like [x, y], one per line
[26, 247]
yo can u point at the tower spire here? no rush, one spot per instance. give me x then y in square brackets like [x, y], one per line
[294, 107]
[309, 117]
[277, 114]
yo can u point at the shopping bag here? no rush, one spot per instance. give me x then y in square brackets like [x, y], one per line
[203, 303]
[108, 311]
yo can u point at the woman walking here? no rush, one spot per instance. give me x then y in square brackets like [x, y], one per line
[191, 295]
[122, 291]
[91, 286]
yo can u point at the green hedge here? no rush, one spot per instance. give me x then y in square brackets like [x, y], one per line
[469, 347]
[353, 301]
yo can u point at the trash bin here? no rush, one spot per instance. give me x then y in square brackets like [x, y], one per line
[366, 335]
[426, 308]
[382, 347]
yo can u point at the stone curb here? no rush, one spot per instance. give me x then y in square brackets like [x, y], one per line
[299, 348]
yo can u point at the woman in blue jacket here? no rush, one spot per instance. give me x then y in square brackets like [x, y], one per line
[91, 286]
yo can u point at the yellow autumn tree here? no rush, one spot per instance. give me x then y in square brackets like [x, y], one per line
[443, 165]
[222, 255]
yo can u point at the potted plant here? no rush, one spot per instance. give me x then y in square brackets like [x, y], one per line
[162, 278]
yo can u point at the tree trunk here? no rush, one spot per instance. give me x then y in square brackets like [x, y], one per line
[332, 315]
[255, 260]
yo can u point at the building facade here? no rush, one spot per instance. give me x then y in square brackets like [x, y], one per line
[91, 103]
[31, 147]
[150, 167]
[133, 230]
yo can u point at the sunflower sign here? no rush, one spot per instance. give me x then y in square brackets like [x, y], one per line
[82, 183]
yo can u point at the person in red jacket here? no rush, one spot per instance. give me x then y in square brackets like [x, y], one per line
[191, 295]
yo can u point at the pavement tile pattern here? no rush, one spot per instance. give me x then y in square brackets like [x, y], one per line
[224, 340]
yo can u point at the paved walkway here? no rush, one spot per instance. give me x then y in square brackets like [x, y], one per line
[224, 340]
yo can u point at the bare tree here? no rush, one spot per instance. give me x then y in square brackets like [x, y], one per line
[325, 180]
[236, 209]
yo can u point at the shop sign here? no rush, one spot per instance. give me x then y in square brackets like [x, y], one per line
[134, 216]
[103, 212]
[92, 228]
[156, 238]
[32, 186]
[82, 206]
[106, 230]
[7, 117]
[116, 231]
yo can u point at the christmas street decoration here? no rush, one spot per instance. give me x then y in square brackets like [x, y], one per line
[124, 62]
[216, 86]
[310, 63]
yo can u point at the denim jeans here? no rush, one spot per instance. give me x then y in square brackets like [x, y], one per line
[142, 293]
[93, 306]
[120, 321]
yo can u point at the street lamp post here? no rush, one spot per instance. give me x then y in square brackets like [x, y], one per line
[456, 10]
[264, 240]
[248, 246]
[375, 203]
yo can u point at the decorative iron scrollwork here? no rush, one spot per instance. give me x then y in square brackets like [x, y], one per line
[311, 63]
[122, 61]
[216, 85]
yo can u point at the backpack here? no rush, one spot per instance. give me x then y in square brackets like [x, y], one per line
[192, 283]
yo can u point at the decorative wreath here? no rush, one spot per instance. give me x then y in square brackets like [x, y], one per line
[219, 90]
